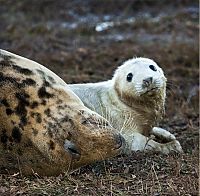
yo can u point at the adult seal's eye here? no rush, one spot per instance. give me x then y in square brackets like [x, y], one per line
[129, 77]
[152, 67]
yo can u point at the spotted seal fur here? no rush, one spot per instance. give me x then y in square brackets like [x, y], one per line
[44, 127]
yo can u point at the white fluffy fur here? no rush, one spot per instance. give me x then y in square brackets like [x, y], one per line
[103, 98]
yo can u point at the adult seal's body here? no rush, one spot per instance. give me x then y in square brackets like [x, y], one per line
[133, 101]
[44, 126]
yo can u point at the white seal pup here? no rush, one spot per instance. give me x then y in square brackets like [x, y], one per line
[133, 101]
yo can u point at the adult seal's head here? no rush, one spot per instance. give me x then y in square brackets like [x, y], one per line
[44, 127]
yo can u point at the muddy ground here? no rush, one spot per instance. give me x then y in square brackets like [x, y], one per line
[85, 41]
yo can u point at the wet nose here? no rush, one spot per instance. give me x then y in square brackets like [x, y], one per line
[72, 149]
[147, 81]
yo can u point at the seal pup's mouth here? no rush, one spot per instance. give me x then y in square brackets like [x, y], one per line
[150, 90]
[150, 86]
[153, 89]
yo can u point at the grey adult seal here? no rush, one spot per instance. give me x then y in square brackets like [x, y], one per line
[44, 127]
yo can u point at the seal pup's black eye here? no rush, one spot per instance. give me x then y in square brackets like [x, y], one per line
[129, 77]
[152, 67]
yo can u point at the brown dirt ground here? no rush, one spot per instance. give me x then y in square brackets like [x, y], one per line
[61, 35]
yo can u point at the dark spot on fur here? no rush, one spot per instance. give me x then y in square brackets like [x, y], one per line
[59, 101]
[51, 145]
[4, 137]
[4, 78]
[4, 56]
[50, 133]
[42, 93]
[65, 119]
[45, 77]
[24, 71]
[46, 83]
[5, 63]
[41, 72]
[51, 79]
[28, 82]
[81, 112]
[48, 112]
[22, 97]
[16, 134]
[21, 107]
[34, 104]
[4, 102]
[38, 118]
[9, 111]
[35, 131]
[44, 102]
[60, 107]
[50, 125]
[23, 121]
[12, 80]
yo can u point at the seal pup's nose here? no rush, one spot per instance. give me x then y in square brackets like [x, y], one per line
[147, 81]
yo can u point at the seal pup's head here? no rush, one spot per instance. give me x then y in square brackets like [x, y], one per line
[139, 77]
[140, 81]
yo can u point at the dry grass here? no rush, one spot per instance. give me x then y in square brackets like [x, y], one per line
[138, 174]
